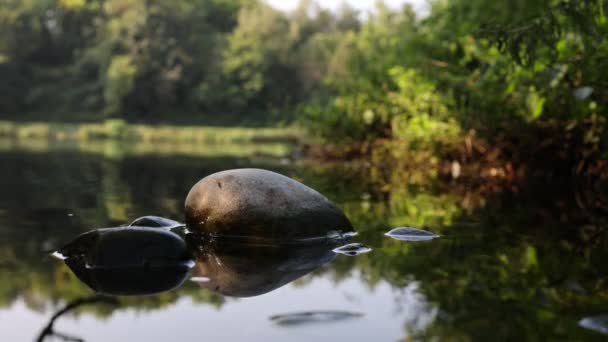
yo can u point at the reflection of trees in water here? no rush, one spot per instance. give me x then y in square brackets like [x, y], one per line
[533, 261]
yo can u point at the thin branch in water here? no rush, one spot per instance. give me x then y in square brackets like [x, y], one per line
[48, 329]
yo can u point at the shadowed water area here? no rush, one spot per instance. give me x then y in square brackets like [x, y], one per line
[525, 265]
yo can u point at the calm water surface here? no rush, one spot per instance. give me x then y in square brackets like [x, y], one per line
[525, 266]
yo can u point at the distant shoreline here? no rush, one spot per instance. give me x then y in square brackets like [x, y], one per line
[120, 130]
[118, 139]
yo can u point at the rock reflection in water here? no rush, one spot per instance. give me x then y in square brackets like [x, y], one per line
[138, 260]
[242, 268]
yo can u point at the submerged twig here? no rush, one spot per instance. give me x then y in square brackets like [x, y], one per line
[48, 329]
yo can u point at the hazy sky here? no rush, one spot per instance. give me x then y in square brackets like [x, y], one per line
[362, 5]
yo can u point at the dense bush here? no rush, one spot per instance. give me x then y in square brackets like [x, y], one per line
[471, 64]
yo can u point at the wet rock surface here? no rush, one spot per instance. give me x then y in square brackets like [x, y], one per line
[128, 261]
[260, 203]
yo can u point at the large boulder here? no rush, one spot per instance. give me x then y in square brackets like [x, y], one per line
[261, 204]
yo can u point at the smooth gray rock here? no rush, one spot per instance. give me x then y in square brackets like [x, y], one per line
[260, 204]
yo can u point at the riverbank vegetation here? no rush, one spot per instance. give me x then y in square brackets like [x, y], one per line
[505, 90]
[115, 138]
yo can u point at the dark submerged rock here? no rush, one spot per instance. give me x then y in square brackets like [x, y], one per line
[129, 261]
[261, 203]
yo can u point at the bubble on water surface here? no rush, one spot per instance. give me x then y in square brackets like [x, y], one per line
[352, 249]
[595, 323]
[411, 234]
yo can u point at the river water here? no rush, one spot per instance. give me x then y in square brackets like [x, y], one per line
[511, 265]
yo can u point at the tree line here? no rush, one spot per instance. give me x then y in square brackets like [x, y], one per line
[348, 76]
[145, 59]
